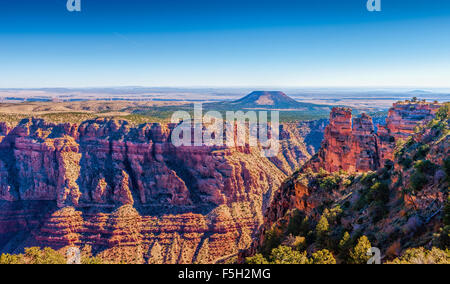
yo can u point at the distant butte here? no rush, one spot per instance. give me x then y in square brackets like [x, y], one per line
[268, 100]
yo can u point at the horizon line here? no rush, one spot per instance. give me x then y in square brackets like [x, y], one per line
[265, 88]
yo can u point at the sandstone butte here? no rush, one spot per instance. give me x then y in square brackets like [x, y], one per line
[132, 196]
[352, 145]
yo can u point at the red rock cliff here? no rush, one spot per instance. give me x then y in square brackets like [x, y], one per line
[403, 118]
[349, 145]
[130, 194]
[352, 144]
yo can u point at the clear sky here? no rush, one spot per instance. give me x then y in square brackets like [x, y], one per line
[224, 43]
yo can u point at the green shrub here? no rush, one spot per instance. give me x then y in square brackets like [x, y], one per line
[330, 183]
[418, 181]
[359, 254]
[11, 259]
[257, 259]
[423, 256]
[286, 255]
[344, 246]
[362, 201]
[447, 168]
[422, 152]
[444, 235]
[368, 179]
[406, 163]
[333, 215]
[323, 257]
[297, 242]
[298, 224]
[322, 228]
[35, 255]
[425, 167]
[379, 192]
[271, 241]
[447, 212]
[444, 112]
[410, 142]
[378, 211]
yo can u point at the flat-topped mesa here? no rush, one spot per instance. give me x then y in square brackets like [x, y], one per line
[349, 145]
[401, 123]
[404, 117]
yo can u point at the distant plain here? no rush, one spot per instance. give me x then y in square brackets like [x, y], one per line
[141, 105]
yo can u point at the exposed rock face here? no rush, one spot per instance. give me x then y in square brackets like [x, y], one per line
[352, 144]
[404, 117]
[365, 144]
[62, 228]
[401, 123]
[400, 216]
[41, 161]
[349, 145]
[132, 195]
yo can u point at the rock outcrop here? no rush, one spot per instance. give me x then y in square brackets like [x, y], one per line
[401, 123]
[399, 206]
[351, 144]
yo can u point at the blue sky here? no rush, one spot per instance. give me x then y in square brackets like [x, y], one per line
[225, 43]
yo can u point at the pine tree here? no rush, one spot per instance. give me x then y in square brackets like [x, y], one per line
[345, 246]
[447, 212]
[257, 259]
[359, 254]
[286, 255]
[323, 257]
[322, 229]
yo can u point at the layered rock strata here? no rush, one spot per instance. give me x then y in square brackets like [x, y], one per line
[130, 194]
[352, 145]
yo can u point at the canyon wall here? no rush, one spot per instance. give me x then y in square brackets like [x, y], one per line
[403, 213]
[132, 196]
[352, 145]
[402, 121]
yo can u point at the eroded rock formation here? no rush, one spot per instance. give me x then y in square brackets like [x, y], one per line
[405, 211]
[351, 144]
[403, 118]
[130, 194]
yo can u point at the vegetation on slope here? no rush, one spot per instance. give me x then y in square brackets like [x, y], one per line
[35, 255]
[402, 209]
